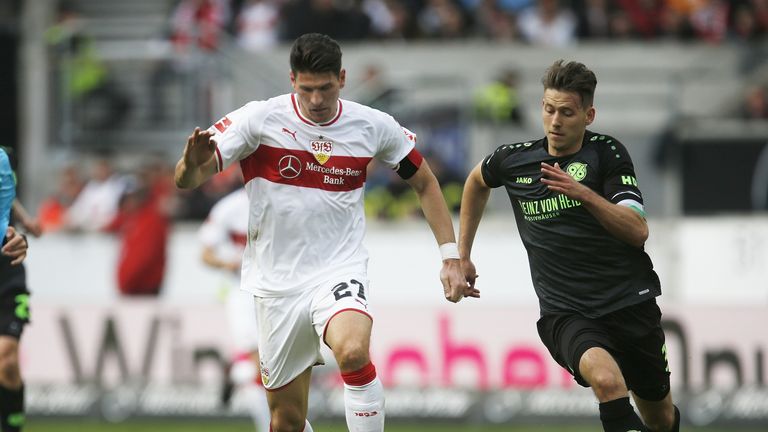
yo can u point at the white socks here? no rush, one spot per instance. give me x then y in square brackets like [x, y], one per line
[364, 400]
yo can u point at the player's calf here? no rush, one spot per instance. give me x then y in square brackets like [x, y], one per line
[364, 400]
[619, 416]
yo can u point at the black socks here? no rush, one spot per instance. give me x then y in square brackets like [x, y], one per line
[11, 409]
[619, 416]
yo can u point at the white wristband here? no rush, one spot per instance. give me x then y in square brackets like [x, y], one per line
[449, 251]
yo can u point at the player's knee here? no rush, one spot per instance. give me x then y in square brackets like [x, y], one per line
[607, 385]
[285, 419]
[352, 356]
[10, 376]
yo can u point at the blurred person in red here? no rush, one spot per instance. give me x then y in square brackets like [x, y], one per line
[256, 25]
[223, 236]
[54, 207]
[143, 223]
[198, 24]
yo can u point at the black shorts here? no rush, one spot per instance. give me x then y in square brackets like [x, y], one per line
[14, 300]
[632, 335]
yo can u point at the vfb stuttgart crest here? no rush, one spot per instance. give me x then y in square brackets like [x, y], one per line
[321, 149]
[577, 170]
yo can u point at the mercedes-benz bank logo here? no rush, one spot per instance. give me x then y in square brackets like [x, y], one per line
[289, 167]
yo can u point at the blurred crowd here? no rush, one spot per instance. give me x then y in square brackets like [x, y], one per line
[260, 24]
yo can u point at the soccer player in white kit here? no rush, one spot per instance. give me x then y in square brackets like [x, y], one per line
[304, 157]
[223, 237]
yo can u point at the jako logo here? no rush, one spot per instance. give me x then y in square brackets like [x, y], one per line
[525, 180]
[366, 413]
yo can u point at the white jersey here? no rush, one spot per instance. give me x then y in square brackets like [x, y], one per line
[305, 185]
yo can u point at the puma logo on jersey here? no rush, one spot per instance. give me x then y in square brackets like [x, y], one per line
[293, 134]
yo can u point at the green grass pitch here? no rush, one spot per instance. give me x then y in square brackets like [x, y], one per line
[68, 425]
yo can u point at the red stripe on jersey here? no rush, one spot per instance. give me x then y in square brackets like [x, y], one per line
[310, 122]
[300, 168]
[238, 238]
[415, 157]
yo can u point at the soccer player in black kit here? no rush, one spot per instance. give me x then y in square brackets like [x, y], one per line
[581, 219]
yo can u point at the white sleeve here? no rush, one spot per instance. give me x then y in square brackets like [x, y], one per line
[238, 134]
[395, 142]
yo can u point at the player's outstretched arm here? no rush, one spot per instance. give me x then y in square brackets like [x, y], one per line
[198, 163]
[473, 202]
[15, 247]
[622, 222]
[436, 212]
[29, 223]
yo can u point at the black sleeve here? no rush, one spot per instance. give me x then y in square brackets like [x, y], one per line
[491, 168]
[619, 180]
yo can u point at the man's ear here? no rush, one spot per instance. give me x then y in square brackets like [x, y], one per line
[590, 115]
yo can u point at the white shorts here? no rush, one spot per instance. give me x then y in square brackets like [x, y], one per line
[291, 328]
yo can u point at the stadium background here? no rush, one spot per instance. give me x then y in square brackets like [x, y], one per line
[90, 80]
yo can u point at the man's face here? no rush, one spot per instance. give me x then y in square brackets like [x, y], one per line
[565, 121]
[318, 93]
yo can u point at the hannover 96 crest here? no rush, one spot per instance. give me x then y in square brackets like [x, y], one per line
[577, 170]
[321, 149]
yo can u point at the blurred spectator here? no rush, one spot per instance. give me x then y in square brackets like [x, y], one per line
[54, 208]
[495, 23]
[97, 203]
[143, 225]
[755, 105]
[499, 101]
[390, 19]
[257, 25]
[744, 27]
[324, 16]
[593, 19]
[547, 24]
[96, 100]
[644, 15]
[442, 19]
[377, 92]
[198, 24]
[710, 20]
[195, 204]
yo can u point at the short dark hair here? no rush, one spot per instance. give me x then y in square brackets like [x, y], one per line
[316, 53]
[572, 77]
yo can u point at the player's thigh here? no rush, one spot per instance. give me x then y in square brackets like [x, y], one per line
[340, 313]
[643, 357]
[568, 337]
[288, 343]
[290, 402]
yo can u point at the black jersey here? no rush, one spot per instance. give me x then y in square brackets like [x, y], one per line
[576, 264]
